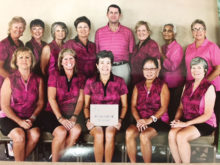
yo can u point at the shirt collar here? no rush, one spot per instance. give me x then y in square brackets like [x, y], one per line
[78, 40]
[119, 27]
[205, 42]
[171, 44]
[145, 41]
[12, 42]
[110, 79]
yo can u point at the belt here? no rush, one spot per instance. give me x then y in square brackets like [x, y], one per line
[119, 63]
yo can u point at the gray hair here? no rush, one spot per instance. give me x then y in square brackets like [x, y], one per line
[62, 25]
[199, 60]
[198, 21]
[172, 25]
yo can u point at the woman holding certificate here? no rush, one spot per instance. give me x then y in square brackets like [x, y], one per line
[105, 88]
[149, 104]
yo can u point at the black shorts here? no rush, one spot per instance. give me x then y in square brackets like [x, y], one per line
[47, 121]
[160, 126]
[7, 125]
[204, 129]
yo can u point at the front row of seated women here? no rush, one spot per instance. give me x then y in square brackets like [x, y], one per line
[23, 93]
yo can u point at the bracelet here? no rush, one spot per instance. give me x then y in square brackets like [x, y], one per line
[59, 118]
[33, 117]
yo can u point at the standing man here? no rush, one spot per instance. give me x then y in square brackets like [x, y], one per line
[116, 38]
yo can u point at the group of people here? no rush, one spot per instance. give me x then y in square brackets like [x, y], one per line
[44, 86]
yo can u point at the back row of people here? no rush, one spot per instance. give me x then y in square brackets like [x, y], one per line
[119, 39]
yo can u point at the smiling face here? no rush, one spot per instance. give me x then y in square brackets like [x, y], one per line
[199, 32]
[83, 29]
[150, 70]
[60, 33]
[198, 71]
[37, 32]
[104, 66]
[16, 30]
[168, 33]
[142, 32]
[68, 61]
[23, 60]
[113, 15]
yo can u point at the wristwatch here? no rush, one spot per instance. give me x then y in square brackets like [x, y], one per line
[154, 118]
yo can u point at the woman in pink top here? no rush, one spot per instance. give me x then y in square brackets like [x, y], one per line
[208, 50]
[65, 97]
[195, 115]
[149, 104]
[22, 101]
[50, 52]
[172, 70]
[146, 47]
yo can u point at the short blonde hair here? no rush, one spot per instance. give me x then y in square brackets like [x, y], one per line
[139, 23]
[61, 56]
[16, 20]
[22, 50]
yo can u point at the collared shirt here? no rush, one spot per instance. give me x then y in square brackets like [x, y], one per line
[67, 91]
[210, 52]
[85, 56]
[172, 70]
[149, 101]
[54, 53]
[121, 42]
[149, 48]
[108, 94]
[24, 96]
[36, 48]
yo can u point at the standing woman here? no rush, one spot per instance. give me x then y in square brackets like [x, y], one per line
[195, 115]
[146, 47]
[10, 44]
[22, 101]
[36, 44]
[149, 104]
[65, 96]
[105, 88]
[172, 71]
[85, 49]
[51, 51]
[208, 50]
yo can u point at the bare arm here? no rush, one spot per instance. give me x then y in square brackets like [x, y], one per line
[40, 101]
[134, 103]
[86, 106]
[214, 74]
[45, 57]
[3, 72]
[124, 104]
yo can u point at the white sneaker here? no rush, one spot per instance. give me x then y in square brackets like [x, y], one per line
[10, 149]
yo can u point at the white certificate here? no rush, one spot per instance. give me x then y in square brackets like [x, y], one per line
[104, 114]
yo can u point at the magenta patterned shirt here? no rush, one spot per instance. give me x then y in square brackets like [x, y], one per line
[172, 70]
[85, 55]
[194, 103]
[24, 96]
[7, 48]
[149, 102]
[108, 94]
[54, 53]
[121, 42]
[36, 48]
[67, 92]
[149, 48]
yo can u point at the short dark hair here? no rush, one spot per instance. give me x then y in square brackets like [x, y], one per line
[82, 19]
[104, 54]
[153, 59]
[37, 22]
[114, 6]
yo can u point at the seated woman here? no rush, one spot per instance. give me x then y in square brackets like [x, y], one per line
[105, 88]
[195, 116]
[36, 44]
[85, 49]
[65, 96]
[149, 104]
[21, 101]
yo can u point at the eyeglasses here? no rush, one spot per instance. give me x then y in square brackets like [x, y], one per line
[149, 69]
[198, 29]
[168, 31]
